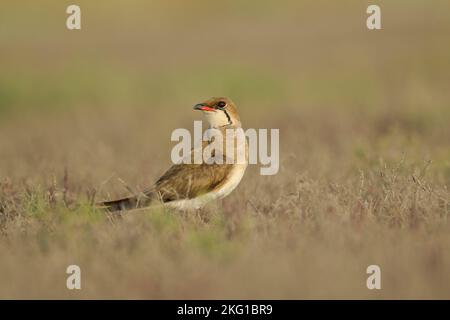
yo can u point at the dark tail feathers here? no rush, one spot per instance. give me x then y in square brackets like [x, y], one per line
[119, 205]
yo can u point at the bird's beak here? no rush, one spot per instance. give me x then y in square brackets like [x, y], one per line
[203, 107]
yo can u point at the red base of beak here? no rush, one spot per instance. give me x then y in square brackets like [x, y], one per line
[208, 109]
[204, 108]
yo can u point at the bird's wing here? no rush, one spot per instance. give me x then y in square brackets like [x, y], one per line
[187, 181]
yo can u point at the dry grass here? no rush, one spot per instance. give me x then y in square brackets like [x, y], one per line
[363, 120]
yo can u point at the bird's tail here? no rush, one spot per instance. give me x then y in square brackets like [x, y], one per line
[142, 200]
[119, 205]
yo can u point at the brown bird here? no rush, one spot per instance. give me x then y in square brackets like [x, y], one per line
[191, 186]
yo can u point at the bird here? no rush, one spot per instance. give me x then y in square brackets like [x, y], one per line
[190, 186]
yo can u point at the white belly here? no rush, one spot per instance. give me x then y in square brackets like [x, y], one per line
[234, 179]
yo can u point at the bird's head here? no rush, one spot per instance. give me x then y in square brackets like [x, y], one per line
[219, 111]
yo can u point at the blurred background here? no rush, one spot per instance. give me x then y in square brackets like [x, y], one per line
[90, 112]
[135, 69]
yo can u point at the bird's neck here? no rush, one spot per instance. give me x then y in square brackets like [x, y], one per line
[219, 120]
[224, 126]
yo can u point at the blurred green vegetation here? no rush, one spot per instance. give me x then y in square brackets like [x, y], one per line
[298, 54]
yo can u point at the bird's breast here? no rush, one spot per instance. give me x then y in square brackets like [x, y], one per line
[231, 181]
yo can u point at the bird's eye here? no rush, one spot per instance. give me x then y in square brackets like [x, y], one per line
[221, 104]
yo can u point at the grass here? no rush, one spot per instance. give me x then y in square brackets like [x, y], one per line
[364, 175]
